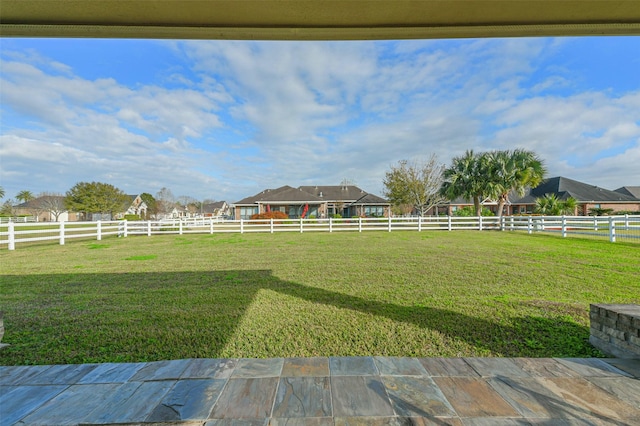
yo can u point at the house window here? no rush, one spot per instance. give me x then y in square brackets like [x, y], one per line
[247, 212]
[374, 211]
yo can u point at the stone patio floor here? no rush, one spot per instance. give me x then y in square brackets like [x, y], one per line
[326, 391]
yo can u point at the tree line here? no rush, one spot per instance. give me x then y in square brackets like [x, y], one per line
[98, 198]
[422, 185]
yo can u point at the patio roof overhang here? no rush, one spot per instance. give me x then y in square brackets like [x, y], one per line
[316, 20]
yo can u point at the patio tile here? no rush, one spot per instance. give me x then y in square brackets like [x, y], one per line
[302, 421]
[359, 396]
[455, 367]
[395, 366]
[62, 374]
[489, 367]
[594, 400]
[396, 421]
[72, 406]
[492, 421]
[417, 396]
[22, 400]
[246, 398]
[161, 370]
[531, 399]
[237, 422]
[256, 368]
[188, 400]
[624, 388]
[303, 397]
[473, 397]
[19, 375]
[208, 368]
[309, 367]
[111, 373]
[131, 402]
[544, 367]
[352, 366]
[631, 366]
[592, 367]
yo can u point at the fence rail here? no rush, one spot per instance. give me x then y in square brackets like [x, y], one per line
[613, 228]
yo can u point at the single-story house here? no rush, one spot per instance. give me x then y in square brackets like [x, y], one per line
[47, 208]
[316, 201]
[587, 197]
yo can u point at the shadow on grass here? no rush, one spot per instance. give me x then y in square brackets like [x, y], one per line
[80, 318]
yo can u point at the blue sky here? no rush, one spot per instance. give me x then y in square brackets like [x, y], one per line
[225, 119]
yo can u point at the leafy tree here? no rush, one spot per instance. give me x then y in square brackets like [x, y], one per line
[469, 211]
[512, 171]
[552, 206]
[467, 177]
[96, 197]
[24, 196]
[152, 206]
[415, 183]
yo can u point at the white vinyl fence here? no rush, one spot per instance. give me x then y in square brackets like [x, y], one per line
[613, 228]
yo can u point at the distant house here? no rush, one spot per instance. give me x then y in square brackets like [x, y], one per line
[587, 197]
[217, 209]
[47, 208]
[316, 201]
[136, 207]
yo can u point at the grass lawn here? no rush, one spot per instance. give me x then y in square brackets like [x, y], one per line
[436, 293]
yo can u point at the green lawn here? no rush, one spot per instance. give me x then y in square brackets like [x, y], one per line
[436, 293]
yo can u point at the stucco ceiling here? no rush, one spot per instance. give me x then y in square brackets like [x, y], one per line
[316, 19]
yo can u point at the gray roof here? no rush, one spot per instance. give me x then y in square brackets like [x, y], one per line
[281, 195]
[346, 193]
[313, 194]
[564, 188]
[37, 202]
[212, 207]
[633, 191]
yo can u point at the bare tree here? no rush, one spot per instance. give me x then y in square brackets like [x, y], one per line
[51, 203]
[165, 201]
[416, 183]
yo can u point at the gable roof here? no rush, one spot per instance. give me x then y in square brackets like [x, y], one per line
[212, 207]
[37, 202]
[370, 199]
[564, 188]
[346, 193]
[633, 191]
[280, 195]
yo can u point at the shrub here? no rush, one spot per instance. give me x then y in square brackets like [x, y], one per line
[270, 215]
[623, 212]
[131, 217]
[470, 211]
[336, 216]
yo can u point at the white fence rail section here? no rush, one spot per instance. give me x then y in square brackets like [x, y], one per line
[613, 228]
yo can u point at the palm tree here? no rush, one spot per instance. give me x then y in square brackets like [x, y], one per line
[25, 196]
[550, 205]
[512, 171]
[1, 192]
[467, 178]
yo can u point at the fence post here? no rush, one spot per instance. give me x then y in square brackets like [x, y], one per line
[241, 226]
[99, 230]
[148, 228]
[12, 236]
[502, 222]
[564, 226]
[271, 225]
[389, 223]
[480, 223]
[125, 233]
[211, 225]
[419, 223]
[626, 222]
[301, 219]
[359, 224]
[595, 223]
[180, 227]
[330, 224]
[542, 223]
[612, 229]
[530, 225]
[61, 233]
[449, 222]
[511, 221]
